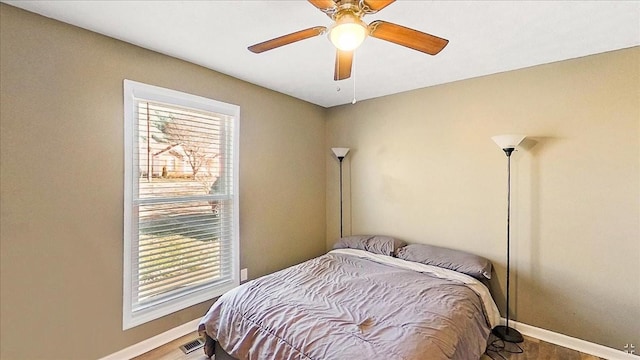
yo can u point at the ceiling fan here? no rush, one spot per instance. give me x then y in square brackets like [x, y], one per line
[348, 31]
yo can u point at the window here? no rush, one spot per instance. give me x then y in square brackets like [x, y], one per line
[180, 202]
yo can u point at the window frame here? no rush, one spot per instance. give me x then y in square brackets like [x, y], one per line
[134, 91]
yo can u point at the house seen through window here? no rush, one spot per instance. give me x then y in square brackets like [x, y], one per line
[181, 215]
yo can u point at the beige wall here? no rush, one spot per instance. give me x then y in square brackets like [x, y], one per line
[61, 122]
[423, 168]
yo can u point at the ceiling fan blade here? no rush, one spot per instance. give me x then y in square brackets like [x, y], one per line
[343, 65]
[287, 39]
[405, 36]
[377, 5]
[324, 5]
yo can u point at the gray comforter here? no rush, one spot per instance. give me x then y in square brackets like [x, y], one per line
[340, 306]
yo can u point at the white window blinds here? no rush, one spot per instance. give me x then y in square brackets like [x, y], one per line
[181, 201]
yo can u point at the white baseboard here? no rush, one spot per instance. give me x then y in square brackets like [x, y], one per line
[538, 333]
[155, 342]
[571, 342]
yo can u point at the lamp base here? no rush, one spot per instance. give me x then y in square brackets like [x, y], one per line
[507, 334]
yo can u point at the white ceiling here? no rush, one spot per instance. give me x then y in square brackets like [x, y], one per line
[486, 37]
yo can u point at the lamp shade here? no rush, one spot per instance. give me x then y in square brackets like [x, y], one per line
[508, 141]
[348, 32]
[340, 152]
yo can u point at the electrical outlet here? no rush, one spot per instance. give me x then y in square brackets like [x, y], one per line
[244, 274]
[629, 348]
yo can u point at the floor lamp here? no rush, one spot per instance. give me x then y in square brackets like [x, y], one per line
[508, 144]
[340, 153]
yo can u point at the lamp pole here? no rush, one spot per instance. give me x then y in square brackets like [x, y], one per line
[508, 144]
[340, 158]
[340, 153]
[508, 334]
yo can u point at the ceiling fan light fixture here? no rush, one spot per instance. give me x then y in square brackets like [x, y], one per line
[348, 32]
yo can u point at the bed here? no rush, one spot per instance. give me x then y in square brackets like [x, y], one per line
[356, 303]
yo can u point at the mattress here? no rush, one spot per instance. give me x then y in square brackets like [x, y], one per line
[353, 304]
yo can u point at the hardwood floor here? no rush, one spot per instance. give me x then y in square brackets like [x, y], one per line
[171, 351]
[534, 349]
